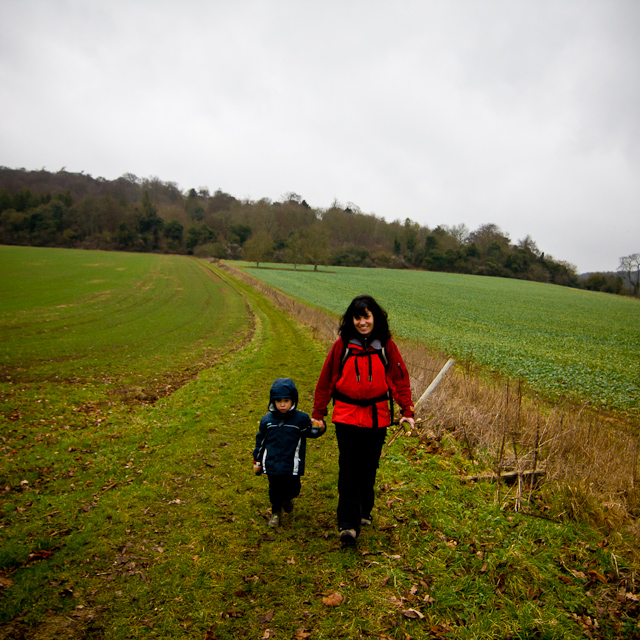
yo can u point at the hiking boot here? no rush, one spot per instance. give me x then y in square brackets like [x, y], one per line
[348, 536]
[366, 521]
[274, 520]
[288, 506]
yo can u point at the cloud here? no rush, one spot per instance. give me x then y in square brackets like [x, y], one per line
[520, 113]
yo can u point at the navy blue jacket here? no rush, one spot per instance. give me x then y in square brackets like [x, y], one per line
[281, 440]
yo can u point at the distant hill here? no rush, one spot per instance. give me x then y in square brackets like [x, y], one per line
[65, 209]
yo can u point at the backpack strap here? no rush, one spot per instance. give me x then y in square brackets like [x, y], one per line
[382, 354]
[360, 403]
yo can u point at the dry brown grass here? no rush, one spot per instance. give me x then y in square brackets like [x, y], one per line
[588, 457]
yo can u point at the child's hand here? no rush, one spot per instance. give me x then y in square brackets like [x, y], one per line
[318, 427]
[257, 468]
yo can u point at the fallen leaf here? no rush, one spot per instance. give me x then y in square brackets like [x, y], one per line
[595, 576]
[439, 630]
[412, 613]
[302, 633]
[267, 617]
[7, 582]
[333, 600]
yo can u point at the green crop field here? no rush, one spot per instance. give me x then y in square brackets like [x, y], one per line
[563, 342]
[106, 314]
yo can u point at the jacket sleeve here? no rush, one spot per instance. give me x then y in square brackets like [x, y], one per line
[257, 452]
[326, 381]
[398, 379]
[305, 427]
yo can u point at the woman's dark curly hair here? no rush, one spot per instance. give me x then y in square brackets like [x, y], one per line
[358, 307]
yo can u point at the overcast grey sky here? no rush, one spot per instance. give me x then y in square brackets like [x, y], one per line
[522, 113]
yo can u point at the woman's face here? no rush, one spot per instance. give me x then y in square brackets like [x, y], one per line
[364, 323]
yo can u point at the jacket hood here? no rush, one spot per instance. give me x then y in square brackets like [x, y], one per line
[283, 388]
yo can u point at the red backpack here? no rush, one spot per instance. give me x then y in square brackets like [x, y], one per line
[363, 380]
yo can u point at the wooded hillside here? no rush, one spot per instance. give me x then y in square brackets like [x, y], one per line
[64, 209]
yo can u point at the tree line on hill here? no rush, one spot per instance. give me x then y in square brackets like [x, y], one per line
[75, 210]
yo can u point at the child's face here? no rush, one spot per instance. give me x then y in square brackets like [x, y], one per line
[283, 404]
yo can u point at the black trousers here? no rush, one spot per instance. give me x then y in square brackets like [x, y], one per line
[359, 455]
[282, 489]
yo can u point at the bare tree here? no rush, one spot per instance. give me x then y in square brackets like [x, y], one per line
[315, 245]
[460, 232]
[292, 196]
[259, 247]
[528, 244]
[486, 234]
[294, 252]
[629, 269]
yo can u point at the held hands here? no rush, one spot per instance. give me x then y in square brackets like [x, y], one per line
[318, 427]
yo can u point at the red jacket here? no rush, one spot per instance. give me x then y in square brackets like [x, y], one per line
[363, 377]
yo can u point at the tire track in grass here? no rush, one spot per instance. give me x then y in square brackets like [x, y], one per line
[254, 563]
[207, 511]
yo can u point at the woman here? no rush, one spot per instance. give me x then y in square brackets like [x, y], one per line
[363, 374]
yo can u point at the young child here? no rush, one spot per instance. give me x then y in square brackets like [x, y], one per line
[281, 446]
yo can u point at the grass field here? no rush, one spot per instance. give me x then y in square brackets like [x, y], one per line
[132, 512]
[106, 314]
[562, 342]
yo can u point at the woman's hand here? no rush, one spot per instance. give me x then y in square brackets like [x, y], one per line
[411, 421]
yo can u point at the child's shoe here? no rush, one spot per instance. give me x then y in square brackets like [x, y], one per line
[367, 521]
[348, 536]
[274, 520]
[288, 506]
